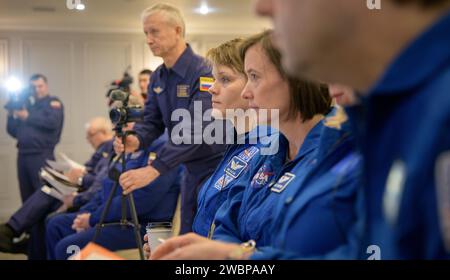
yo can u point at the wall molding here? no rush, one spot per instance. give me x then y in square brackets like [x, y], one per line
[225, 30]
[4, 58]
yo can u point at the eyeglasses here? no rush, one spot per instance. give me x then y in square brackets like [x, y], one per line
[92, 134]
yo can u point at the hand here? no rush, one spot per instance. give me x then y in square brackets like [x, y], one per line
[81, 222]
[137, 96]
[21, 114]
[74, 173]
[146, 248]
[61, 209]
[68, 200]
[193, 247]
[132, 144]
[137, 178]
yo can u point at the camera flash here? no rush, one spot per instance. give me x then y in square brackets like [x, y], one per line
[13, 84]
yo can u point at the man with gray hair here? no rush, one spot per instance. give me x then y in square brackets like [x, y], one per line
[180, 82]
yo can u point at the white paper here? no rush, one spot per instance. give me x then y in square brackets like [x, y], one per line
[52, 192]
[64, 189]
[71, 162]
[60, 166]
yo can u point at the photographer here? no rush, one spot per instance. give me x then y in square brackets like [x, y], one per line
[36, 124]
[179, 83]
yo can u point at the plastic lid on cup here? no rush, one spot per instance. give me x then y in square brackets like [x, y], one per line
[153, 225]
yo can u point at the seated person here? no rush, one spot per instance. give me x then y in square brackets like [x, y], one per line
[154, 203]
[252, 147]
[308, 209]
[39, 205]
[90, 178]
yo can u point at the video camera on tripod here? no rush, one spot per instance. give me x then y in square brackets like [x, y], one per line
[125, 113]
[120, 116]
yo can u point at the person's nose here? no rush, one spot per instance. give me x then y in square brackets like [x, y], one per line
[213, 90]
[247, 93]
[263, 7]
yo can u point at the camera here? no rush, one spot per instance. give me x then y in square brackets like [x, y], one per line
[19, 100]
[124, 114]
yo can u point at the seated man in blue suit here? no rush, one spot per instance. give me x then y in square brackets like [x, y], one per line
[154, 203]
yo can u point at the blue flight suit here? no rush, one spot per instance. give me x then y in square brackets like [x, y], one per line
[180, 88]
[36, 137]
[154, 203]
[248, 216]
[317, 218]
[34, 210]
[403, 128]
[98, 170]
[92, 165]
[239, 165]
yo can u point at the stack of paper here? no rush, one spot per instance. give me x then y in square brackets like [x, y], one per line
[72, 163]
[57, 185]
[52, 192]
[65, 164]
[59, 165]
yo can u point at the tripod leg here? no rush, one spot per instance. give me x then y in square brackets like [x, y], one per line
[105, 212]
[137, 226]
[123, 204]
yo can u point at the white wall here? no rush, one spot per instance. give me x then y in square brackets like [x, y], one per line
[79, 66]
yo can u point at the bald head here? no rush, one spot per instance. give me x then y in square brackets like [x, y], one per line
[98, 131]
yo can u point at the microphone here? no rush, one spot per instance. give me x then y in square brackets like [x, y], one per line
[119, 95]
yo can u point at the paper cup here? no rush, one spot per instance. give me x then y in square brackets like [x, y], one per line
[157, 232]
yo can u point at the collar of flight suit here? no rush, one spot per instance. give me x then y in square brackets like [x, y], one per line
[418, 62]
[311, 141]
[182, 65]
[43, 99]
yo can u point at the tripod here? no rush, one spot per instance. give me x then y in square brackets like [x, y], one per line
[123, 221]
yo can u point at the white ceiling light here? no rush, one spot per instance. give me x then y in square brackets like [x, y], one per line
[80, 7]
[204, 9]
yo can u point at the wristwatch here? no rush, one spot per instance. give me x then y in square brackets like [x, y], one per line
[244, 251]
[80, 181]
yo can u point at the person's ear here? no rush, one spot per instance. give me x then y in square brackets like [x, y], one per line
[179, 31]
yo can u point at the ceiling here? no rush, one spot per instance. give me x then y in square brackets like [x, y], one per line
[229, 16]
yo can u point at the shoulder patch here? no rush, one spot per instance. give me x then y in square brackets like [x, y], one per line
[223, 182]
[151, 157]
[248, 154]
[235, 167]
[55, 104]
[206, 83]
[336, 121]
